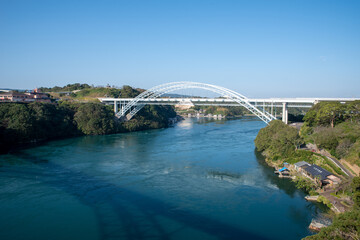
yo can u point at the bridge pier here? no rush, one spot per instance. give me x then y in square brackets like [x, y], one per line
[116, 107]
[119, 106]
[285, 114]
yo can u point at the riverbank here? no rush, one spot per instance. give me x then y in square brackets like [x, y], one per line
[318, 157]
[25, 124]
[333, 197]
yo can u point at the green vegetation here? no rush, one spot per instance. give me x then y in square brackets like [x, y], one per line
[216, 110]
[306, 184]
[94, 119]
[336, 128]
[295, 114]
[124, 92]
[22, 123]
[277, 140]
[344, 226]
[325, 201]
[67, 88]
[326, 113]
[335, 195]
[279, 143]
[332, 167]
[26, 123]
[330, 125]
[150, 117]
[313, 193]
[85, 92]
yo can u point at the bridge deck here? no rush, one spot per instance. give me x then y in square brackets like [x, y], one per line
[275, 101]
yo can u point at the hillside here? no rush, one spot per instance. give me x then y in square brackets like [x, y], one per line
[25, 123]
[335, 127]
[85, 92]
[332, 128]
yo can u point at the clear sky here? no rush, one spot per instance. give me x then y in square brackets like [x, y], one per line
[259, 48]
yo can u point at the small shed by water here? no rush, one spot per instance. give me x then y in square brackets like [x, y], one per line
[301, 165]
[284, 171]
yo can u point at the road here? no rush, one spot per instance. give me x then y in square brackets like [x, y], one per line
[312, 147]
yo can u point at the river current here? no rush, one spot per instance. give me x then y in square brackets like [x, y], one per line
[197, 180]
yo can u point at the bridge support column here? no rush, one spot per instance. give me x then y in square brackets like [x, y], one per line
[116, 109]
[285, 113]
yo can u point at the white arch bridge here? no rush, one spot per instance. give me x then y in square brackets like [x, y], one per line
[126, 108]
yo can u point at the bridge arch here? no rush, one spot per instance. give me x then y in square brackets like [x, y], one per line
[133, 107]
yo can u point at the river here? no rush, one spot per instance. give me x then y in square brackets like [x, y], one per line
[197, 180]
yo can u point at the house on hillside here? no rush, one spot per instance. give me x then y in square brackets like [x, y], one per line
[39, 96]
[15, 97]
[33, 96]
[323, 176]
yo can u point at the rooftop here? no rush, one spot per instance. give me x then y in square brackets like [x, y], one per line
[316, 171]
[283, 169]
[302, 163]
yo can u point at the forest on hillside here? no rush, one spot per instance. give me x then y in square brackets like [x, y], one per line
[25, 123]
[331, 126]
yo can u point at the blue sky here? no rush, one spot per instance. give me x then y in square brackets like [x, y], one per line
[259, 48]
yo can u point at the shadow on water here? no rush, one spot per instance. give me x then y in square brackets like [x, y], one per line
[288, 187]
[281, 183]
[103, 196]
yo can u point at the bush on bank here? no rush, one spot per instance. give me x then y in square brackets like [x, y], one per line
[21, 123]
[277, 140]
[305, 184]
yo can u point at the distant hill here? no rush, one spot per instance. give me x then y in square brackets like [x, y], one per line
[67, 88]
[12, 89]
[85, 92]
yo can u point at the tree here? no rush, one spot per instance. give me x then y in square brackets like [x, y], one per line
[277, 139]
[356, 199]
[20, 121]
[128, 92]
[94, 119]
[355, 184]
[330, 113]
[310, 116]
[326, 137]
[353, 110]
[326, 113]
